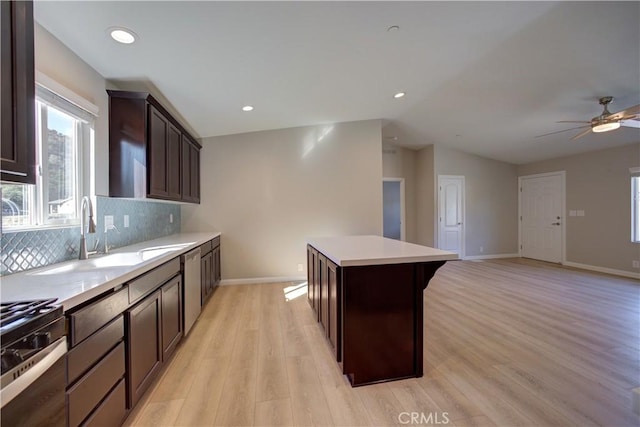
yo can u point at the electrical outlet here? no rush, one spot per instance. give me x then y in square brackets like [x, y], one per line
[300, 268]
[170, 218]
[635, 264]
[126, 221]
[108, 221]
[481, 249]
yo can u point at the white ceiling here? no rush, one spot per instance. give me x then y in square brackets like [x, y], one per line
[483, 77]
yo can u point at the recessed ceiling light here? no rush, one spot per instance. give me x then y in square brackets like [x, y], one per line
[122, 35]
[247, 108]
[399, 95]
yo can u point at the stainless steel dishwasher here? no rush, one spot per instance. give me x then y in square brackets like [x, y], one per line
[191, 276]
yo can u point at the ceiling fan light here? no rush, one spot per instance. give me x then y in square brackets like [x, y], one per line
[606, 127]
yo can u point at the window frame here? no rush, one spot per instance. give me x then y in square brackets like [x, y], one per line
[51, 94]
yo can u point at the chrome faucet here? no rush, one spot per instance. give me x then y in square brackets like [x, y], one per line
[106, 232]
[85, 228]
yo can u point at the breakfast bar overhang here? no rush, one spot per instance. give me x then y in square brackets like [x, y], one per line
[367, 293]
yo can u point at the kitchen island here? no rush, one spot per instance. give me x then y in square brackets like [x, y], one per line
[367, 294]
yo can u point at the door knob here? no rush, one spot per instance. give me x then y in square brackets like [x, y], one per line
[555, 223]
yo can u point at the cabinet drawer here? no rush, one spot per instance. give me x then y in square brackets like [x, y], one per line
[93, 387]
[150, 281]
[205, 248]
[85, 355]
[89, 319]
[112, 410]
[215, 242]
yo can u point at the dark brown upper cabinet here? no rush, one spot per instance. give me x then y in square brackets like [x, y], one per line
[190, 170]
[151, 155]
[17, 89]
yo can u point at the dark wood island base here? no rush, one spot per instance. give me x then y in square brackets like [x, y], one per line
[372, 315]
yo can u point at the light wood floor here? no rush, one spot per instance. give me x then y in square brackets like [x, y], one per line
[507, 343]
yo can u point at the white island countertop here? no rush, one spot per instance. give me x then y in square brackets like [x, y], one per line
[77, 281]
[349, 251]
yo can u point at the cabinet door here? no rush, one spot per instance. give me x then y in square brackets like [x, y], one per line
[145, 345]
[205, 275]
[335, 302]
[186, 169]
[190, 171]
[195, 174]
[17, 103]
[171, 316]
[324, 292]
[174, 163]
[157, 153]
[311, 271]
[215, 268]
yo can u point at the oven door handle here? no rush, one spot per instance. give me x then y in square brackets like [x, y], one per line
[55, 351]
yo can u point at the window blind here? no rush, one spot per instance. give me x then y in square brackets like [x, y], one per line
[54, 100]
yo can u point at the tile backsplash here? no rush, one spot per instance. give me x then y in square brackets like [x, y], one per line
[24, 250]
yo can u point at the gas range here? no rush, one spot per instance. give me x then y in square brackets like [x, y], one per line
[26, 328]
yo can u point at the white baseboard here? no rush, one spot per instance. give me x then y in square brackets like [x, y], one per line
[494, 256]
[259, 280]
[613, 271]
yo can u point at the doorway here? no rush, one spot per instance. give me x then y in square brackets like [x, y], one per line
[393, 208]
[451, 213]
[541, 206]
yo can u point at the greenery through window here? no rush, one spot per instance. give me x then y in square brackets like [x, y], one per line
[62, 129]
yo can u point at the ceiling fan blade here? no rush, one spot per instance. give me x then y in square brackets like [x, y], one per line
[631, 111]
[560, 131]
[630, 123]
[633, 116]
[574, 121]
[581, 134]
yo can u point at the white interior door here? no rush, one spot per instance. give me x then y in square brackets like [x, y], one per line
[451, 213]
[541, 217]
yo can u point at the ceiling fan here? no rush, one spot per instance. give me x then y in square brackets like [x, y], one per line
[606, 121]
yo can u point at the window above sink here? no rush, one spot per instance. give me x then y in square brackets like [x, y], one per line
[64, 133]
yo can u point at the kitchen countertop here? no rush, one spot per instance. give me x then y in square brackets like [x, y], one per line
[72, 287]
[348, 251]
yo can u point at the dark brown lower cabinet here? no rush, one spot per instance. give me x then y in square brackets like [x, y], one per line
[325, 296]
[145, 345]
[112, 410]
[313, 290]
[210, 271]
[372, 315]
[334, 298]
[216, 271]
[206, 269]
[96, 365]
[324, 292]
[87, 393]
[171, 316]
[154, 329]
[119, 342]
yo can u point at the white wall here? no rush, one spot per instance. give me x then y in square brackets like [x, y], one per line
[599, 183]
[425, 196]
[268, 191]
[491, 200]
[398, 162]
